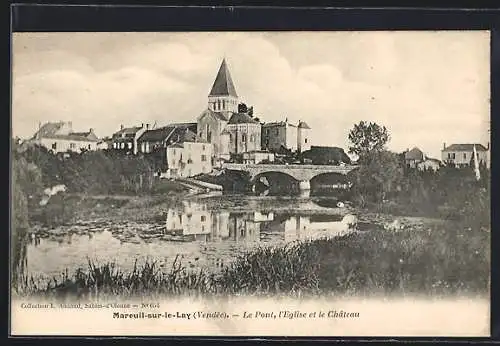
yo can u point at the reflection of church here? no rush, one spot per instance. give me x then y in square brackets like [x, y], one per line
[197, 221]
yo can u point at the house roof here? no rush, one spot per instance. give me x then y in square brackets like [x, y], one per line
[223, 84]
[128, 130]
[328, 153]
[165, 132]
[414, 154]
[242, 118]
[49, 130]
[465, 147]
[278, 123]
[174, 133]
[303, 125]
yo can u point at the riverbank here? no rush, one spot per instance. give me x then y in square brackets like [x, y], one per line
[440, 260]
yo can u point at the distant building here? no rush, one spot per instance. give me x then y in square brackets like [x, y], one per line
[126, 138]
[413, 157]
[460, 155]
[429, 164]
[188, 156]
[282, 134]
[254, 157]
[59, 137]
[321, 155]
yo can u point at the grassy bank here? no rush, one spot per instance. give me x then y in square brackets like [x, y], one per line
[437, 261]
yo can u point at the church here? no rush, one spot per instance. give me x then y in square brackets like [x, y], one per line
[229, 130]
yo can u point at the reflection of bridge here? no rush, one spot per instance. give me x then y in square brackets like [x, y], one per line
[301, 173]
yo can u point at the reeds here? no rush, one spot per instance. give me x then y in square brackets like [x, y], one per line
[435, 261]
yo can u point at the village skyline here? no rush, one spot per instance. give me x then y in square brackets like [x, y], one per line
[104, 80]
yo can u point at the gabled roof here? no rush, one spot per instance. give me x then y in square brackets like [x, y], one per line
[171, 133]
[223, 84]
[414, 154]
[324, 153]
[242, 118]
[465, 147]
[128, 130]
[157, 135]
[303, 125]
[217, 115]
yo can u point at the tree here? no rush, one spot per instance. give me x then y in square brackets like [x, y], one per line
[242, 108]
[367, 137]
[380, 177]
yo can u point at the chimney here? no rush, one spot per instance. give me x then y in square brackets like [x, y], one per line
[121, 127]
[147, 126]
[142, 125]
[91, 130]
[444, 145]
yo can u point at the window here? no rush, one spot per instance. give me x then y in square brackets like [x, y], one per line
[203, 147]
[54, 145]
[465, 156]
[276, 132]
[72, 145]
[129, 145]
[89, 147]
[305, 140]
[203, 157]
[173, 152]
[252, 138]
[122, 145]
[243, 137]
[203, 218]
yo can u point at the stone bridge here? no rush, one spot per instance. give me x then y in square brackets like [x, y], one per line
[302, 173]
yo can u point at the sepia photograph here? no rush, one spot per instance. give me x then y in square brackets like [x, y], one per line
[251, 183]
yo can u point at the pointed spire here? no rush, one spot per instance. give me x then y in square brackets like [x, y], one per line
[223, 84]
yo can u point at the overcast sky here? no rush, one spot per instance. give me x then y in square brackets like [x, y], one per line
[426, 87]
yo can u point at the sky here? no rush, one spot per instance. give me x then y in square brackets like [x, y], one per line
[426, 87]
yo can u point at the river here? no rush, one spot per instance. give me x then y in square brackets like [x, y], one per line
[204, 232]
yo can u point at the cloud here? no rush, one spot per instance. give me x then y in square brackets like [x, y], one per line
[426, 88]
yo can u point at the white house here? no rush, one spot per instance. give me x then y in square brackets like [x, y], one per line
[188, 157]
[59, 137]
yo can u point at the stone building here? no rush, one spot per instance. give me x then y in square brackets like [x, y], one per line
[285, 135]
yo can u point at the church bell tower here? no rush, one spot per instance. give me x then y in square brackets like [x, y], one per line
[223, 96]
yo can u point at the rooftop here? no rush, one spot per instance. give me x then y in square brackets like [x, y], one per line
[414, 154]
[223, 84]
[242, 118]
[465, 147]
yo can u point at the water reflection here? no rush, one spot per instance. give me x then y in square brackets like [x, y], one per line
[203, 236]
[196, 222]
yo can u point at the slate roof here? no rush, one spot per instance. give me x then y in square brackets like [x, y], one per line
[414, 154]
[303, 125]
[465, 147]
[223, 84]
[242, 118]
[157, 135]
[171, 133]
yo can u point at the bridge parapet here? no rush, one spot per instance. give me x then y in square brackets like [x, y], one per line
[298, 172]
